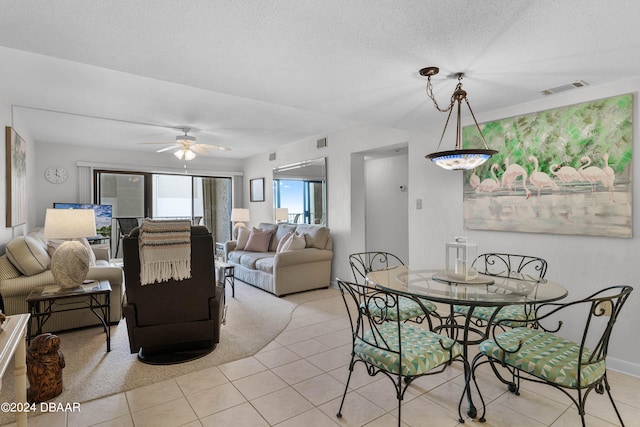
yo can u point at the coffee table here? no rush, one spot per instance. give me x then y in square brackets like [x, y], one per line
[43, 301]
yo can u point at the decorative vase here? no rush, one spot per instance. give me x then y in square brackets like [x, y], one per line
[70, 264]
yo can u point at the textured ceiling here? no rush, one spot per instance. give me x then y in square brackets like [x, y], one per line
[254, 74]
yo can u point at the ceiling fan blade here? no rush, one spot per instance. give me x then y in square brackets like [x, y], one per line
[214, 147]
[162, 150]
[198, 148]
[161, 143]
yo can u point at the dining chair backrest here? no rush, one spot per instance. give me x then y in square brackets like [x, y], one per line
[126, 225]
[363, 263]
[356, 298]
[512, 266]
[593, 317]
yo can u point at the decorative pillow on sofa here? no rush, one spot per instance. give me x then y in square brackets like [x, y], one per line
[294, 243]
[258, 241]
[243, 236]
[54, 244]
[315, 235]
[28, 255]
[281, 231]
[284, 240]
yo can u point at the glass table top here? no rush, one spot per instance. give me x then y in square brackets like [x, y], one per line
[486, 291]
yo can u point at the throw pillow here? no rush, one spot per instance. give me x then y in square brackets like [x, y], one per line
[294, 243]
[53, 245]
[258, 241]
[284, 240]
[243, 236]
[28, 255]
[316, 236]
[92, 255]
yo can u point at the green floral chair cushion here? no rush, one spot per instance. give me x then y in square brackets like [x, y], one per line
[409, 309]
[421, 349]
[516, 312]
[545, 356]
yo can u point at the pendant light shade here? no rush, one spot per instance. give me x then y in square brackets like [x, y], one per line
[458, 158]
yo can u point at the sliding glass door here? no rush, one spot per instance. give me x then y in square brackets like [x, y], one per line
[203, 200]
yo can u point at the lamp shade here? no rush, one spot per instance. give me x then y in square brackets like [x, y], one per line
[282, 214]
[239, 215]
[69, 223]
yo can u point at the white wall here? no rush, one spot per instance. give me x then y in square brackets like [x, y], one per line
[582, 264]
[387, 219]
[343, 221]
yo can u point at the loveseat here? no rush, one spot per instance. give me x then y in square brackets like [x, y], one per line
[25, 266]
[301, 266]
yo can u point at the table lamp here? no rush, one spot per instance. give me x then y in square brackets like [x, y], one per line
[70, 262]
[239, 216]
[282, 214]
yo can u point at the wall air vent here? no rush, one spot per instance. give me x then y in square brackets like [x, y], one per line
[321, 143]
[563, 88]
[272, 156]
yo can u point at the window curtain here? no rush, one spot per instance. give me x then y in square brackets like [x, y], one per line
[217, 207]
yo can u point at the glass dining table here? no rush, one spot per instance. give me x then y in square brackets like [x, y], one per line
[484, 291]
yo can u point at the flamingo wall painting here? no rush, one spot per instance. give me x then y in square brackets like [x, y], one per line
[563, 171]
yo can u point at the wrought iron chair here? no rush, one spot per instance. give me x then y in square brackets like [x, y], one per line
[546, 357]
[525, 267]
[125, 226]
[363, 263]
[385, 344]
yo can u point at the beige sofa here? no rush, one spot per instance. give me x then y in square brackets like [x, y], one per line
[25, 266]
[285, 272]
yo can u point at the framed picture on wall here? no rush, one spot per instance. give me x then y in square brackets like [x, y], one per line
[567, 170]
[16, 178]
[256, 188]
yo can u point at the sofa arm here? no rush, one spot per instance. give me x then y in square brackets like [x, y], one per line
[302, 256]
[229, 246]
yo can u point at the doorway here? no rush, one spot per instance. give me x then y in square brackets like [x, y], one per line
[387, 201]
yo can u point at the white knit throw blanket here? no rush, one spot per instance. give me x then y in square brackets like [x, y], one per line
[165, 250]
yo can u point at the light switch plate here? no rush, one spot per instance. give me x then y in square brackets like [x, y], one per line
[418, 203]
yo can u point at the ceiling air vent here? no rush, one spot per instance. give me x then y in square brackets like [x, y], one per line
[558, 89]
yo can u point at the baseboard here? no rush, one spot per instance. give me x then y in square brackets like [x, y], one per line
[623, 366]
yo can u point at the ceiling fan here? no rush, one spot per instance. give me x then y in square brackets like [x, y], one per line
[187, 147]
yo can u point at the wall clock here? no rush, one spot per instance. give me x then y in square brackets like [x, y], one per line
[56, 174]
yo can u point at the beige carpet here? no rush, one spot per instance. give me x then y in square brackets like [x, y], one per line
[254, 318]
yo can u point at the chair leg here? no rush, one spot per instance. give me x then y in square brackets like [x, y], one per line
[608, 389]
[346, 387]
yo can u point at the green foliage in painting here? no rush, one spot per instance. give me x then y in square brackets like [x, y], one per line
[561, 136]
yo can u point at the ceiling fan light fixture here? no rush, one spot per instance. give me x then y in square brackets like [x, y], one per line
[459, 158]
[185, 153]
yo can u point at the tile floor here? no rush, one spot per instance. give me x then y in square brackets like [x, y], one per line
[298, 380]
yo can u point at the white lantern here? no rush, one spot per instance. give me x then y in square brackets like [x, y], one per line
[460, 259]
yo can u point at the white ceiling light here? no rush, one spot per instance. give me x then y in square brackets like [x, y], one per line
[188, 148]
[185, 153]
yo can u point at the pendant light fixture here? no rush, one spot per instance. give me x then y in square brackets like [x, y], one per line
[458, 158]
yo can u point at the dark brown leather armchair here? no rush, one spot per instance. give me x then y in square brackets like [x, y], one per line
[173, 321]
